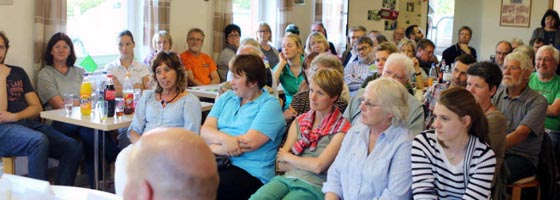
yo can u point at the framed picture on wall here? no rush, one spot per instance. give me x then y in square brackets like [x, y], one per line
[515, 13]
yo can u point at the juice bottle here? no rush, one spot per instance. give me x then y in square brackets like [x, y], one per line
[128, 95]
[85, 96]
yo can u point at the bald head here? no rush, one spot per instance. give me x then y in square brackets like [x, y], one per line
[171, 163]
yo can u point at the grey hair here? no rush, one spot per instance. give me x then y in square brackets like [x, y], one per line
[403, 61]
[250, 49]
[328, 60]
[523, 60]
[527, 50]
[555, 52]
[392, 96]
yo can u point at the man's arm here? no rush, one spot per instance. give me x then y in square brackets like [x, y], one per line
[4, 72]
[517, 136]
[192, 80]
[552, 110]
[215, 78]
[31, 111]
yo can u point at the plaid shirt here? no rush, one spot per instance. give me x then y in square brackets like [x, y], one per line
[430, 98]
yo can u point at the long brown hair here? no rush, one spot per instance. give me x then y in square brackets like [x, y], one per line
[462, 102]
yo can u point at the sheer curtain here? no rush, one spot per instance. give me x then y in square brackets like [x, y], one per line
[223, 16]
[50, 17]
[156, 18]
[333, 15]
[285, 9]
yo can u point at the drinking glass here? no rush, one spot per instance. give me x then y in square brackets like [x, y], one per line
[119, 107]
[102, 109]
[68, 103]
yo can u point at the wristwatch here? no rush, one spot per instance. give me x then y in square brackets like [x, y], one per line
[418, 74]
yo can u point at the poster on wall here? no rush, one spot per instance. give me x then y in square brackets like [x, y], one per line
[389, 4]
[515, 13]
[411, 13]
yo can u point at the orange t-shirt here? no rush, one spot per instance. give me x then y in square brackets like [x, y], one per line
[200, 66]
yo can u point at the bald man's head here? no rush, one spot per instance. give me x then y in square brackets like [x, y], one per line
[171, 163]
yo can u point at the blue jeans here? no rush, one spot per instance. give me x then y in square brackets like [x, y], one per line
[87, 137]
[38, 142]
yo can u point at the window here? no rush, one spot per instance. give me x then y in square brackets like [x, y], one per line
[246, 16]
[440, 24]
[94, 25]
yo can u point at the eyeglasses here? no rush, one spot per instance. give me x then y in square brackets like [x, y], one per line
[233, 35]
[546, 60]
[369, 105]
[195, 39]
[364, 48]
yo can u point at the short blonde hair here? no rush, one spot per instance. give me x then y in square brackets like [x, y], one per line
[329, 80]
[392, 97]
[296, 39]
[406, 42]
[316, 37]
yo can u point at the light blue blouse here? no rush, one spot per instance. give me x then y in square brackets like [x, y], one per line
[263, 114]
[150, 114]
[385, 173]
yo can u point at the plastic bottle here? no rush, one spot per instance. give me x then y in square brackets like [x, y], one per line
[110, 96]
[128, 95]
[5, 186]
[85, 96]
[441, 70]
[433, 75]
[447, 76]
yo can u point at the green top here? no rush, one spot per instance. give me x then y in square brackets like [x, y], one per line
[550, 91]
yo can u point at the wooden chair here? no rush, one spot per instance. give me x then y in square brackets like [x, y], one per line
[9, 165]
[529, 182]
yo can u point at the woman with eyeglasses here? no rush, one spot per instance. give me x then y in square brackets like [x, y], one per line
[125, 64]
[232, 35]
[264, 35]
[374, 159]
[454, 161]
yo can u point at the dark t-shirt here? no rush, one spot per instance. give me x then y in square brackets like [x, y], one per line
[18, 85]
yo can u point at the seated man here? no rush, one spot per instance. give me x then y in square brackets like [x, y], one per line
[525, 111]
[350, 53]
[458, 79]
[21, 134]
[171, 163]
[413, 32]
[201, 69]
[462, 46]
[503, 48]
[425, 54]
[357, 71]
[399, 67]
[547, 83]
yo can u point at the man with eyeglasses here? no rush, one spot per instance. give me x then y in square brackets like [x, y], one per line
[399, 67]
[503, 48]
[200, 68]
[458, 79]
[425, 54]
[525, 110]
[349, 54]
[357, 71]
[546, 82]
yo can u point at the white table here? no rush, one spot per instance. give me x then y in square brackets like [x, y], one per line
[211, 91]
[77, 193]
[205, 106]
[90, 121]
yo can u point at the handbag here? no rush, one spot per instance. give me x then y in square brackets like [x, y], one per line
[222, 162]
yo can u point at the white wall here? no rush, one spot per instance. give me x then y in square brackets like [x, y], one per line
[191, 14]
[17, 24]
[484, 18]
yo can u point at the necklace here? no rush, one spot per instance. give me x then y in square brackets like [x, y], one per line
[165, 102]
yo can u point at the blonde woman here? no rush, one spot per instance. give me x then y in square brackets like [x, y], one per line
[264, 35]
[316, 42]
[289, 70]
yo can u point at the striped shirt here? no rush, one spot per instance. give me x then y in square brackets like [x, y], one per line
[434, 177]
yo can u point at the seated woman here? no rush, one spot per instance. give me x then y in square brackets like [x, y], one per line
[125, 64]
[59, 77]
[161, 42]
[316, 43]
[374, 159]
[483, 80]
[289, 71]
[232, 34]
[300, 102]
[246, 125]
[454, 161]
[170, 105]
[313, 142]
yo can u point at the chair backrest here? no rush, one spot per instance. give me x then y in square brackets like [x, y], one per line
[546, 169]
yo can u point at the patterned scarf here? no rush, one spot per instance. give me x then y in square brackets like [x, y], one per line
[331, 124]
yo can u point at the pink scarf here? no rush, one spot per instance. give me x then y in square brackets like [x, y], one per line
[333, 123]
